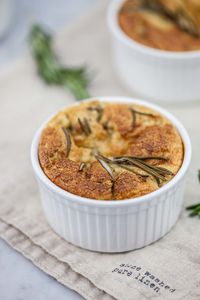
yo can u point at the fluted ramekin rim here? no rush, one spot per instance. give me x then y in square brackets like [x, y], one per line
[120, 35]
[125, 202]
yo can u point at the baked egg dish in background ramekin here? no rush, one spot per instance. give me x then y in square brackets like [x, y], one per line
[157, 74]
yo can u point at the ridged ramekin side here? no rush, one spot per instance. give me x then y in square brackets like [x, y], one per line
[112, 229]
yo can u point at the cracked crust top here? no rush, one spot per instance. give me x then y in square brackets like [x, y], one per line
[154, 28]
[70, 160]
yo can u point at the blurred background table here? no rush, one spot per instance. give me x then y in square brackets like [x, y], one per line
[52, 14]
[19, 278]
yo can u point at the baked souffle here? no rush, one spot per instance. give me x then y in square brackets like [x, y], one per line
[172, 25]
[110, 151]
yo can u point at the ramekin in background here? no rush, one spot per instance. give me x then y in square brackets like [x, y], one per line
[113, 226]
[156, 74]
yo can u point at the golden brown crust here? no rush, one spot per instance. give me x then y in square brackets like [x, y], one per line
[129, 185]
[115, 131]
[154, 29]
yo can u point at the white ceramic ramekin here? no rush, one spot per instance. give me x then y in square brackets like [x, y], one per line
[157, 74]
[113, 226]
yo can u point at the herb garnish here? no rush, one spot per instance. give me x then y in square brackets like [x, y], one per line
[136, 112]
[133, 171]
[105, 164]
[107, 128]
[85, 126]
[99, 110]
[126, 162]
[51, 71]
[82, 166]
[141, 165]
[195, 208]
[68, 139]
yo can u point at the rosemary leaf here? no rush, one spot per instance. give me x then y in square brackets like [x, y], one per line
[104, 158]
[159, 170]
[68, 139]
[82, 166]
[157, 180]
[149, 169]
[142, 113]
[99, 111]
[126, 162]
[107, 128]
[133, 117]
[136, 112]
[106, 166]
[133, 171]
[195, 212]
[145, 157]
[164, 171]
[85, 127]
[142, 165]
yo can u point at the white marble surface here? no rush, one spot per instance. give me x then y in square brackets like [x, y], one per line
[19, 278]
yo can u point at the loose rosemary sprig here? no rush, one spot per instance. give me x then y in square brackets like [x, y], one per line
[195, 208]
[51, 71]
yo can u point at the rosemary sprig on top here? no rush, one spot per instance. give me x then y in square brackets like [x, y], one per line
[85, 126]
[82, 166]
[51, 71]
[68, 140]
[135, 112]
[126, 162]
[105, 162]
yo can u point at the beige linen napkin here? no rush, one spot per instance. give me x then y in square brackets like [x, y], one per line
[168, 269]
